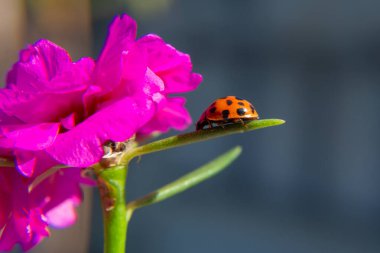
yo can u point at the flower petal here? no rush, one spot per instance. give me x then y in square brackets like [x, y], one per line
[45, 66]
[47, 107]
[46, 80]
[134, 63]
[31, 137]
[82, 146]
[64, 214]
[58, 195]
[24, 225]
[25, 162]
[171, 65]
[39, 63]
[121, 36]
[171, 114]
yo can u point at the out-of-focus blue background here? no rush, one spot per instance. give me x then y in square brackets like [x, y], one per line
[311, 185]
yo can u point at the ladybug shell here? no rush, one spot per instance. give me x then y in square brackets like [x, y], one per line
[226, 110]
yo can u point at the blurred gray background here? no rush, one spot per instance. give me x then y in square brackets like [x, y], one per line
[311, 185]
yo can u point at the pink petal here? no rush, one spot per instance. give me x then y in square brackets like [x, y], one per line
[5, 144]
[69, 122]
[149, 85]
[39, 64]
[82, 146]
[45, 66]
[133, 74]
[5, 197]
[46, 80]
[121, 35]
[38, 229]
[134, 63]
[172, 114]
[31, 137]
[8, 238]
[25, 229]
[25, 162]
[89, 99]
[84, 68]
[38, 222]
[63, 215]
[44, 162]
[173, 66]
[59, 194]
[48, 106]
[23, 225]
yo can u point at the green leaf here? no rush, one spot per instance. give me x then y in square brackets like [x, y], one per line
[189, 180]
[196, 136]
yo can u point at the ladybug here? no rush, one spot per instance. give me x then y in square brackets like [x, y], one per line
[227, 110]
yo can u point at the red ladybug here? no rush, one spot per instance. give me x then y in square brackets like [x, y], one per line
[227, 110]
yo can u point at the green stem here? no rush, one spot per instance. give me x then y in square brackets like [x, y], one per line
[203, 135]
[111, 183]
[187, 181]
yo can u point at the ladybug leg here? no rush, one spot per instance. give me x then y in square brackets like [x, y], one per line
[221, 124]
[209, 124]
[243, 122]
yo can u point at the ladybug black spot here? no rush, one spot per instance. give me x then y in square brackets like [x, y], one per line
[241, 103]
[212, 110]
[225, 114]
[229, 102]
[241, 111]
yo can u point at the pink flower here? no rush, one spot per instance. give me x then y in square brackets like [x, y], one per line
[26, 211]
[42, 99]
[54, 111]
[128, 94]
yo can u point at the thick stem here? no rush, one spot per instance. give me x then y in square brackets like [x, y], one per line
[111, 183]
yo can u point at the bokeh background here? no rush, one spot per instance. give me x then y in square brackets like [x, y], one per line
[311, 185]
